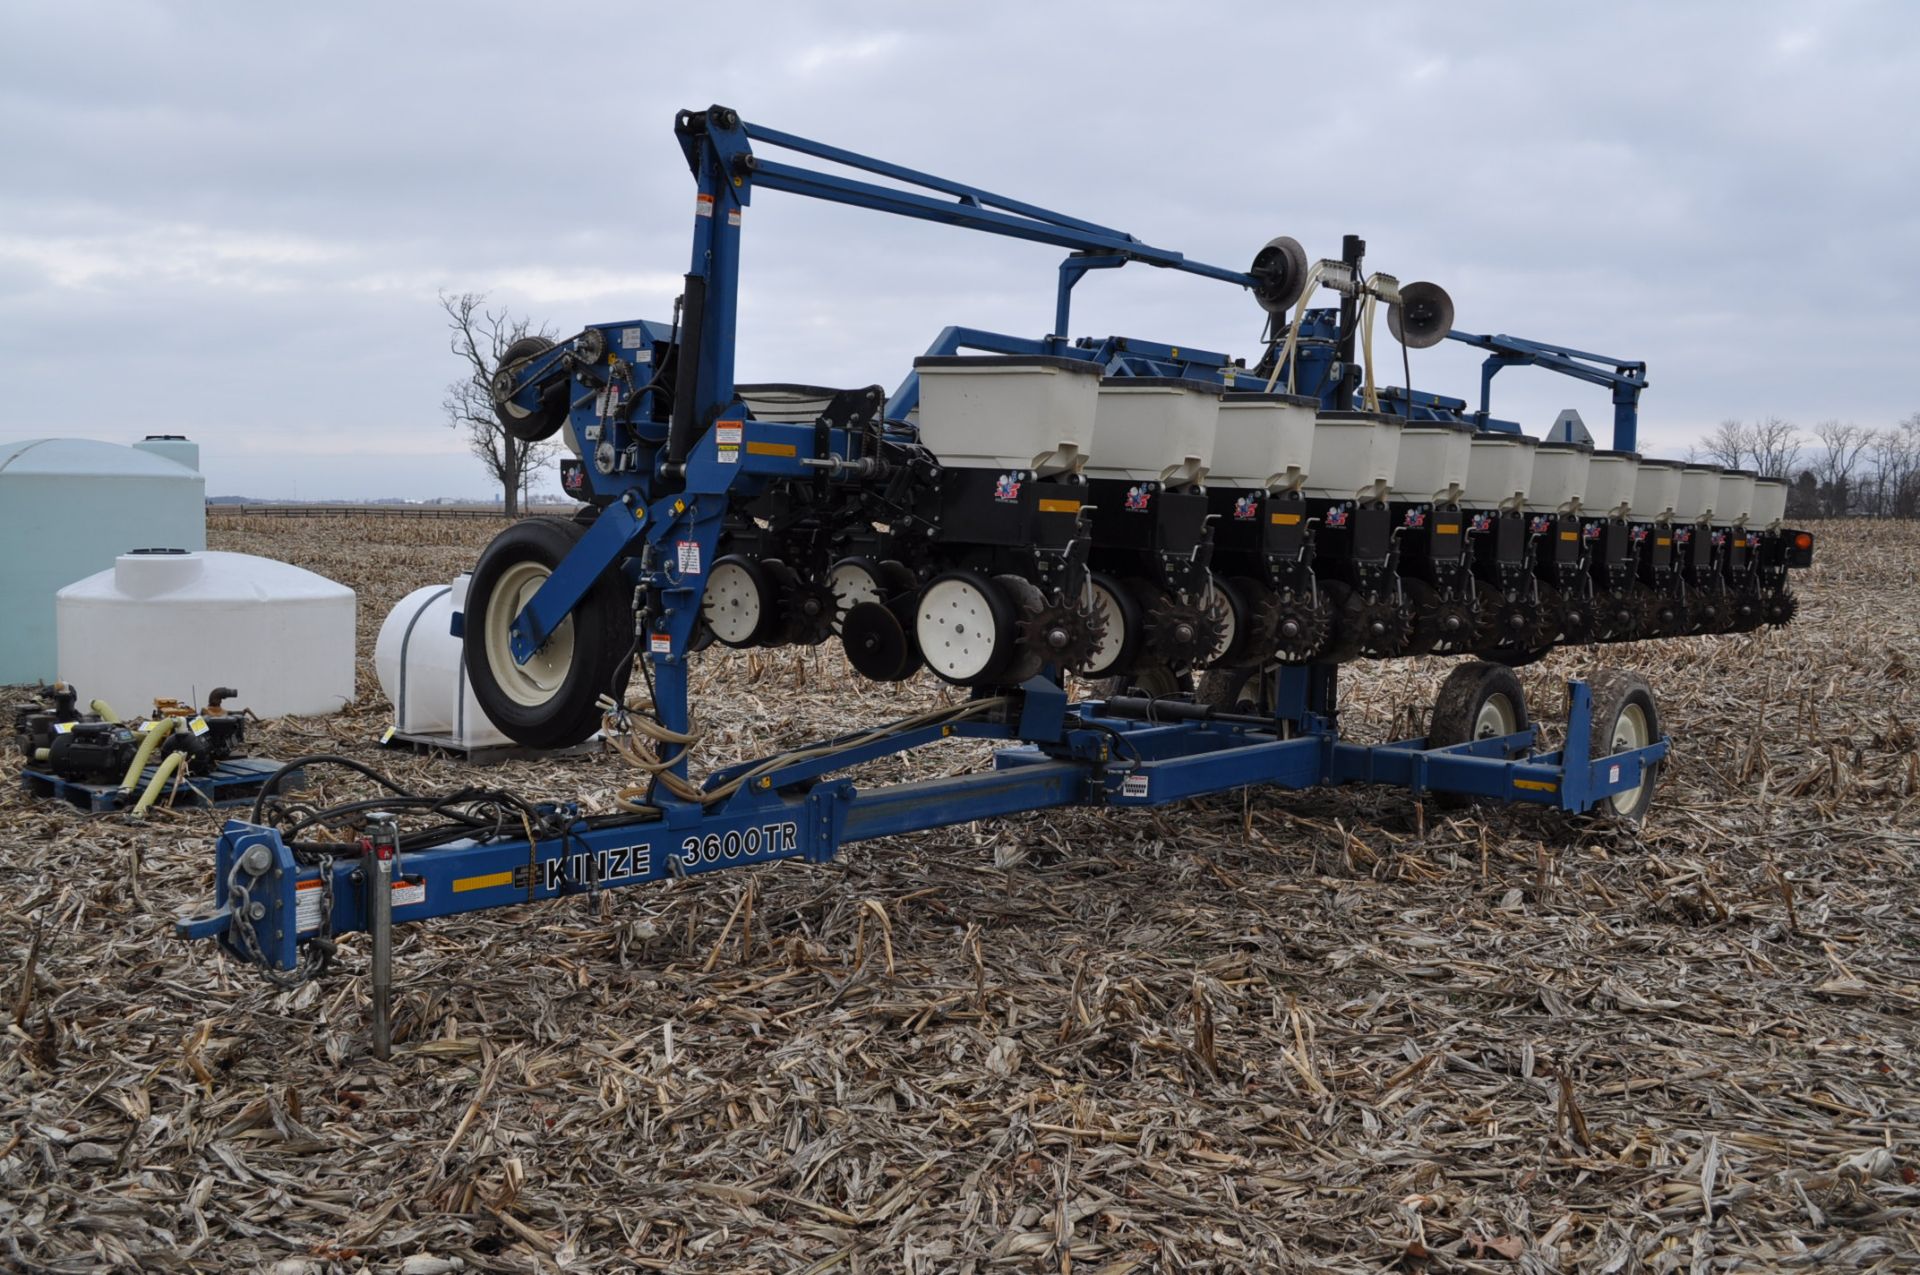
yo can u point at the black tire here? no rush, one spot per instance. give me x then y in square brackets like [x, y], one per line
[1238, 690]
[1459, 711]
[543, 421]
[600, 630]
[1624, 716]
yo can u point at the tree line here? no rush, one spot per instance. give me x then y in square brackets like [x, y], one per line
[1839, 469]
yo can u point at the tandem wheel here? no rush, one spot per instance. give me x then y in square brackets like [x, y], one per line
[1624, 718]
[551, 701]
[1479, 700]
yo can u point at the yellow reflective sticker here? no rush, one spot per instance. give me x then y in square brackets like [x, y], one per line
[1537, 785]
[1059, 506]
[463, 884]
[1285, 520]
[772, 449]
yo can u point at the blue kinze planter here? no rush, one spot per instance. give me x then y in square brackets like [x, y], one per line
[1018, 509]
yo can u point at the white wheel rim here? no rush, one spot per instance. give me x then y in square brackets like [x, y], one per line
[851, 584]
[1106, 609]
[1631, 730]
[955, 625]
[540, 678]
[732, 606]
[1496, 718]
[1222, 608]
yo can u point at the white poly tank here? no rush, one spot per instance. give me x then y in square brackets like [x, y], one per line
[1610, 482]
[1769, 503]
[1434, 456]
[1655, 490]
[177, 448]
[1699, 486]
[170, 623]
[423, 675]
[1262, 440]
[68, 508]
[1016, 413]
[1501, 470]
[1155, 429]
[1355, 455]
[1559, 478]
[1733, 500]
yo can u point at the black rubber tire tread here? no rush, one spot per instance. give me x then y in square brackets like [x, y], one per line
[1468, 686]
[1613, 690]
[1226, 687]
[537, 425]
[602, 636]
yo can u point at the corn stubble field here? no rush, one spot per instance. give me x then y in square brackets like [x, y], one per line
[1272, 1031]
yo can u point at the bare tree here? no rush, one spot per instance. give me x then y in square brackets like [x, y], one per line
[1730, 444]
[1775, 446]
[479, 338]
[1842, 446]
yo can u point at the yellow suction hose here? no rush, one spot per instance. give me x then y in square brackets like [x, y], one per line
[172, 765]
[104, 711]
[160, 730]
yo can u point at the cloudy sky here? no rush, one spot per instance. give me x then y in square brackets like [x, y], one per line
[232, 220]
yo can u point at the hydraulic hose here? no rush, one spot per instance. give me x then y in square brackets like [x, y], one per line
[170, 766]
[104, 711]
[150, 741]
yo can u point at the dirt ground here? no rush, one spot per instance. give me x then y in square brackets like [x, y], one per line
[1265, 1031]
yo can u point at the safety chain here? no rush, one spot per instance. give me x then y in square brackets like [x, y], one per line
[240, 907]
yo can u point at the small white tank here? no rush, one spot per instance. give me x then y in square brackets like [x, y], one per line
[1699, 485]
[1262, 440]
[177, 448]
[1155, 429]
[1610, 482]
[422, 674]
[1355, 456]
[1769, 503]
[1733, 500]
[1434, 458]
[1559, 483]
[1501, 470]
[168, 622]
[1017, 413]
[1656, 490]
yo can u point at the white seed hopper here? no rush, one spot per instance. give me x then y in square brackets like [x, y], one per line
[1355, 456]
[1263, 441]
[1434, 459]
[1018, 413]
[1733, 501]
[1656, 490]
[1155, 429]
[1610, 483]
[1501, 469]
[1559, 483]
[1699, 486]
[1769, 503]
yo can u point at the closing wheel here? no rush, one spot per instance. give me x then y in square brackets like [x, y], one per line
[964, 624]
[1624, 718]
[741, 604]
[1477, 701]
[879, 641]
[550, 701]
[1230, 605]
[856, 580]
[526, 426]
[1120, 620]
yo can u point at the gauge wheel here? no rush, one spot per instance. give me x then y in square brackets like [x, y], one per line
[964, 625]
[741, 604]
[551, 701]
[1624, 718]
[1478, 700]
[1120, 614]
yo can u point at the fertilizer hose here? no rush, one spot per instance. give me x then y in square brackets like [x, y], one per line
[155, 732]
[173, 764]
[104, 711]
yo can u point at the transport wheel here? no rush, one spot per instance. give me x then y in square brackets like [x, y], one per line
[1477, 701]
[1624, 718]
[550, 701]
[964, 625]
[1240, 690]
[1156, 680]
[741, 605]
[1121, 621]
[525, 426]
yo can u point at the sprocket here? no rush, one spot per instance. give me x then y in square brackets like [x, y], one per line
[1293, 628]
[1181, 634]
[1781, 607]
[1064, 633]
